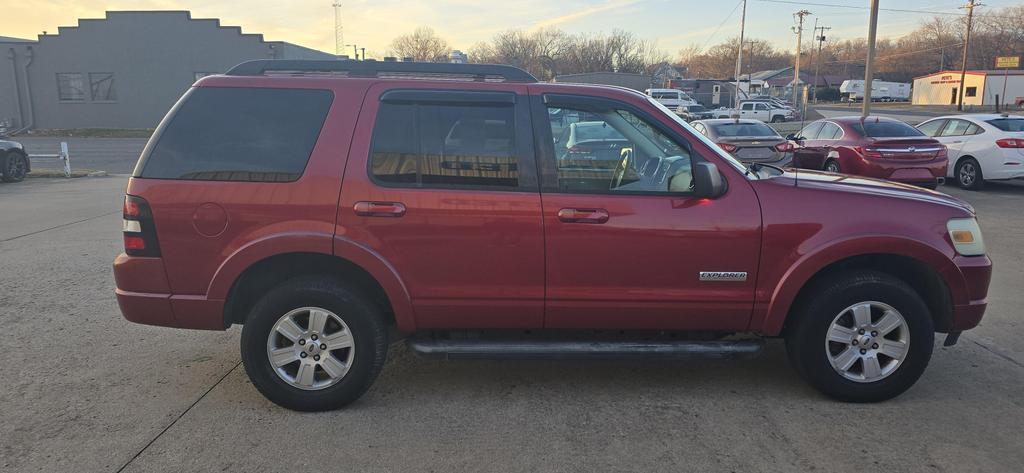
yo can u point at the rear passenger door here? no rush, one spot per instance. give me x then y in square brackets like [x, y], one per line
[805, 154]
[441, 184]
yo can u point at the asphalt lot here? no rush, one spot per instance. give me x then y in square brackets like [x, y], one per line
[85, 390]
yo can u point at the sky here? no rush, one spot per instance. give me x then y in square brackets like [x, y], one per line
[671, 24]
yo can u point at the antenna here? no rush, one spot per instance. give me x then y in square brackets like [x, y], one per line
[339, 34]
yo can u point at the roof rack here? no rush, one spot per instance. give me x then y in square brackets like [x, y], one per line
[378, 68]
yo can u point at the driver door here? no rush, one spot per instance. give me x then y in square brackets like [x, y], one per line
[626, 251]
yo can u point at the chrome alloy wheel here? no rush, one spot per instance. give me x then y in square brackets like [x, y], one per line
[867, 341]
[968, 174]
[310, 348]
[832, 166]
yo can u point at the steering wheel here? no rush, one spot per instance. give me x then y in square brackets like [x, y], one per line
[625, 161]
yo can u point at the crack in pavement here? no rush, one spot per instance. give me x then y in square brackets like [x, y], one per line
[996, 353]
[176, 419]
[59, 226]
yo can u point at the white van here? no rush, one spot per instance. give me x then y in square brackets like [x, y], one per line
[670, 98]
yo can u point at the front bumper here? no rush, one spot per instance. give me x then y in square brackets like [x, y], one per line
[977, 273]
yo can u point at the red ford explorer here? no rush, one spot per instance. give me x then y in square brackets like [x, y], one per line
[335, 207]
[878, 147]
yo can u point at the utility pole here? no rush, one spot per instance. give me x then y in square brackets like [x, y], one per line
[339, 36]
[363, 52]
[355, 51]
[739, 60]
[799, 30]
[817, 59]
[967, 43]
[870, 64]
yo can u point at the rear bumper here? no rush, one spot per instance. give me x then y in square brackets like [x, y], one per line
[926, 172]
[144, 297]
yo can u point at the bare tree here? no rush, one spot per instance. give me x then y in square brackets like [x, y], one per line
[422, 45]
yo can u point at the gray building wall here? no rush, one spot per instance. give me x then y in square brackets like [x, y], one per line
[154, 57]
[639, 82]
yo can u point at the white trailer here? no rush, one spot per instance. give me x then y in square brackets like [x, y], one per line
[882, 91]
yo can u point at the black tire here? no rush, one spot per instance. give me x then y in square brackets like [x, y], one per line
[363, 319]
[834, 162]
[971, 181]
[14, 166]
[778, 119]
[805, 338]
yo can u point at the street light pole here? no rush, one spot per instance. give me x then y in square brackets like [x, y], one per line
[817, 59]
[967, 43]
[870, 65]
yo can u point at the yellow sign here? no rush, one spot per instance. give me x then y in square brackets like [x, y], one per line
[1007, 62]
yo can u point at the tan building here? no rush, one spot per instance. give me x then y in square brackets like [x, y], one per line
[981, 88]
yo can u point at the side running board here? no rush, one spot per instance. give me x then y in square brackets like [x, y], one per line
[461, 349]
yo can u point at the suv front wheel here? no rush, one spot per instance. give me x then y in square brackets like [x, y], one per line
[862, 336]
[313, 344]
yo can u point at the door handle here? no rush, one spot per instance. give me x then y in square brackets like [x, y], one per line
[583, 215]
[379, 209]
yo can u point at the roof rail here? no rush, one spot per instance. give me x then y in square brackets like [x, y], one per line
[376, 68]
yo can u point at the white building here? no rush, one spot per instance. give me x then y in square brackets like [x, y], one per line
[980, 88]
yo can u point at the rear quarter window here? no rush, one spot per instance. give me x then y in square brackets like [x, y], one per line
[238, 134]
[1008, 124]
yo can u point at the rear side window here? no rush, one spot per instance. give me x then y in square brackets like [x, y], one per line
[830, 131]
[239, 134]
[445, 145]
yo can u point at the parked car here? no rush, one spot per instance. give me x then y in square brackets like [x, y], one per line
[877, 147]
[693, 112]
[589, 145]
[671, 98]
[750, 141]
[14, 162]
[412, 201]
[982, 147]
[758, 110]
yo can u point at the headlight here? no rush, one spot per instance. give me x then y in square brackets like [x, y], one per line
[966, 236]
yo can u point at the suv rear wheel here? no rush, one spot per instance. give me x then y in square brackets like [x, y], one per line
[863, 336]
[313, 344]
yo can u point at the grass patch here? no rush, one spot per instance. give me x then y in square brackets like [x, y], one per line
[94, 132]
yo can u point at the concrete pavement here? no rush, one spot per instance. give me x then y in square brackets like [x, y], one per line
[85, 390]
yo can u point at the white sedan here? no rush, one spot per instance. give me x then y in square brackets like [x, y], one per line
[982, 146]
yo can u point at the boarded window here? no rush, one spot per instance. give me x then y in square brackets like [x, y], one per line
[101, 87]
[70, 87]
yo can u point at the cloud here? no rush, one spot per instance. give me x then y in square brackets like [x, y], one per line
[609, 5]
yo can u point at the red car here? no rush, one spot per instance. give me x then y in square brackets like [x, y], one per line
[878, 147]
[334, 207]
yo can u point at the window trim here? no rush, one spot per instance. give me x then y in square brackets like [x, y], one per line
[92, 97]
[454, 97]
[546, 159]
[842, 131]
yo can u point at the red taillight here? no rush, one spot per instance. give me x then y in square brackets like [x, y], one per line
[868, 152]
[138, 227]
[728, 147]
[784, 147]
[1010, 143]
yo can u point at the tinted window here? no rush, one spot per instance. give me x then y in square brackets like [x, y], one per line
[956, 128]
[1008, 124]
[886, 129]
[744, 129]
[931, 128]
[810, 132]
[642, 160]
[596, 131]
[239, 134]
[435, 145]
[830, 131]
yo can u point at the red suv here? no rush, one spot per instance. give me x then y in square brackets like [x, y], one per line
[878, 147]
[335, 207]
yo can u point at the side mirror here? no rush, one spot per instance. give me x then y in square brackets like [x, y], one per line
[707, 181]
[792, 137]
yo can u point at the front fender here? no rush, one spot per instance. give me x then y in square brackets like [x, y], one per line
[805, 268]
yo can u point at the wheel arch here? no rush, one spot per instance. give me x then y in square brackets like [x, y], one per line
[928, 271]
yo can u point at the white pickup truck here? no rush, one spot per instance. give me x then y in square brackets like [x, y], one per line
[758, 110]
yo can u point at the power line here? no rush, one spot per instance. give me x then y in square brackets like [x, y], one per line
[720, 25]
[905, 53]
[859, 7]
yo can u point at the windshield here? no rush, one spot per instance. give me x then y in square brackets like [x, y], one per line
[886, 129]
[596, 131]
[700, 136]
[1008, 124]
[743, 129]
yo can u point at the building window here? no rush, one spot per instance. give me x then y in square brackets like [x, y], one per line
[70, 87]
[200, 75]
[971, 91]
[101, 87]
